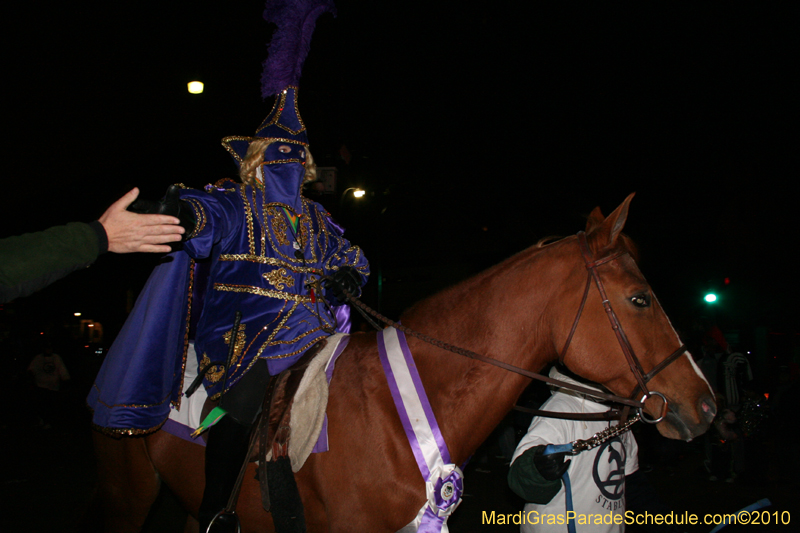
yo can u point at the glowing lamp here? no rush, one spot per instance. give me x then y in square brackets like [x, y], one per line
[195, 87]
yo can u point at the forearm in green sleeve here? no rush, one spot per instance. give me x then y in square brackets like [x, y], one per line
[32, 261]
[526, 481]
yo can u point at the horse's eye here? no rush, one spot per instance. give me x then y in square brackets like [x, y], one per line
[641, 300]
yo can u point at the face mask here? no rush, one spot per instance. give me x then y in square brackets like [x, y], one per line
[282, 174]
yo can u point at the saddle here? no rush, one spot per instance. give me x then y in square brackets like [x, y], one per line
[276, 437]
[275, 432]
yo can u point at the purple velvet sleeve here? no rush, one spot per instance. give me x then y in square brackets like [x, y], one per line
[340, 252]
[219, 214]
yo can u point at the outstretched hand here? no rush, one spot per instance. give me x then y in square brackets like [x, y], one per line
[132, 232]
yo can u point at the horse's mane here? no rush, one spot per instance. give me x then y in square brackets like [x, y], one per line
[545, 241]
[626, 242]
[623, 242]
[466, 285]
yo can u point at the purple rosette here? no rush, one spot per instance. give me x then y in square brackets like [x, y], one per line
[447, 492]
[444, 488]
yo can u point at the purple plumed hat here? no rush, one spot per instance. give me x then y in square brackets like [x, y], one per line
[287, 52]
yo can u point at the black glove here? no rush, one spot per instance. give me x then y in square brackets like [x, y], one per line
[171, 205]
[344, 279]
[552, 466]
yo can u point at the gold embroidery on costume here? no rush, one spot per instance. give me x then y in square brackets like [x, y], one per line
[281, 325]
[282, 161]
[226, 143]
[199, 216]
[249, 216]
[177, 402]
[215, 373]
[301, 350]
[116, 432]
[269, 261]
[220, 184]
[238, 345]
[280, 103]
[262, 220]
[280, 229]
[261, 292]
[268, 327]
[303, 226]
[279, 279]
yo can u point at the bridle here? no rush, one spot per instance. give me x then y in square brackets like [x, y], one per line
[642, 378]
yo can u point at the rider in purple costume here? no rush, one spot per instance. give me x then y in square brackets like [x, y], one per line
[268, 243]
[255, 247]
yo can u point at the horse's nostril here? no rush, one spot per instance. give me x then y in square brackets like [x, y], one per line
[708, 407]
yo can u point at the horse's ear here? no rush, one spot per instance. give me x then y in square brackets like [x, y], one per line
[604, 234]
[595, 219]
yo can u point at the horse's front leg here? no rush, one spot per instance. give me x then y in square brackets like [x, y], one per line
[128, 482]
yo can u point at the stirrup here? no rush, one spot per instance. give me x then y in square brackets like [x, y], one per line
[223, 513]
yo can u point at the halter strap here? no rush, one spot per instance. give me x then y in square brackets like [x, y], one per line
[577, 319]
[663, 364]
[624, 343]
[641, 377]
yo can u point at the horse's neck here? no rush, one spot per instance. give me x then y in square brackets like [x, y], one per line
[469, 397]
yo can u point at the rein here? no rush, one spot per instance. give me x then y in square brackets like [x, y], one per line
[362, 308]
[641, 378]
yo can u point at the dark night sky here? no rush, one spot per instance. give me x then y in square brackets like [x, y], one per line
[479, 131]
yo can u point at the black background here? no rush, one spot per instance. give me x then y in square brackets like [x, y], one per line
[476, 130]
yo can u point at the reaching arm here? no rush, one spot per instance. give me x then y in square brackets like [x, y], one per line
[33, 261]
[133, 232]
[206, 216]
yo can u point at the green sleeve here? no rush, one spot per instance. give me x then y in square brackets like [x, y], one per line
[32, 261]
[525, 480]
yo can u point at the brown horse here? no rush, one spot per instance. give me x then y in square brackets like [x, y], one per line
[520, 311]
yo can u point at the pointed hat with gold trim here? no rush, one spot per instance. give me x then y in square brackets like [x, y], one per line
[295, 20]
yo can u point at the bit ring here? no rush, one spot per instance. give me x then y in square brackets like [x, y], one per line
[646, 420]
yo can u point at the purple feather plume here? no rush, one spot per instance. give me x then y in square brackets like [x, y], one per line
[290, 43]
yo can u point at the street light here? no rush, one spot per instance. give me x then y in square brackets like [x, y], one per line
[195, 87]
[710, 298]
[358, 192]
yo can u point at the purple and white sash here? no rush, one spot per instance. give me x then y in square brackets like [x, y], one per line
[443, 480]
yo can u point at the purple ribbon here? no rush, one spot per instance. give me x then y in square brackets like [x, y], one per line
[443, 480]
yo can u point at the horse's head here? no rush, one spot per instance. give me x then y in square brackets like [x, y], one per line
[596, 351]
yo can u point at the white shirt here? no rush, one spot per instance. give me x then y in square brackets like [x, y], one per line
[597, 476]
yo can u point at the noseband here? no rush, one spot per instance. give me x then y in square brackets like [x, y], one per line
[642, 378]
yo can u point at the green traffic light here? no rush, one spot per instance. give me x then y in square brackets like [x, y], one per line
[710, 297]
